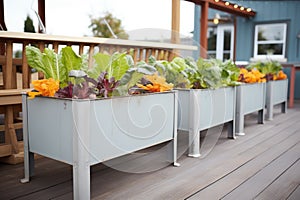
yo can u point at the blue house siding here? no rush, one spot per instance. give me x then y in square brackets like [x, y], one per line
[266, 11]
[269, 11]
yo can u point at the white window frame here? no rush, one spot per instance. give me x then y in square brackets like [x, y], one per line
[220, 41]
[283, 42]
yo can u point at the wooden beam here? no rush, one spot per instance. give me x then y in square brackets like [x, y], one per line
[41, 11]
[234, 39]
[11, 96]
[5, 150]
[203, 31]
[175, 21]
[175, 37]
[2, 21]
[227, 7]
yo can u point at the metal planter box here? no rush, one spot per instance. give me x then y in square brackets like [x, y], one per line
[86, 132]
[249, 98]
[276, 94]
[200, 109]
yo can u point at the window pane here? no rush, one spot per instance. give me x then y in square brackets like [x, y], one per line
[270, 32]
[227, 38]
[270, 49]
[211, 55]
[226, 56]
[212, 39]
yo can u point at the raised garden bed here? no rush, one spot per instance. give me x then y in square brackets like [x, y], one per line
[83, 132]
[276, 94]
[249, 98]
[201, 109]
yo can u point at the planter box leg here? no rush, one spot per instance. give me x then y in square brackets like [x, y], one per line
[28, 167]
[269, 102]
[284, 107]
[269, 115]
[81, 167]
[231, 130]
[261, 118]
[194, 144]
[239, 127]
[81, 181]
[28, 156]
[194, 132]
[175, 133]
[239, 115]
[173, 146]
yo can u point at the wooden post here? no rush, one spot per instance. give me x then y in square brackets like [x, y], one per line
[204, 26]
[41, 46]
[26, 73]
[2, 21]
[8, 68]
[9, 79]
[292, 85]
[41, 11]
[175, 24]
[234, 39]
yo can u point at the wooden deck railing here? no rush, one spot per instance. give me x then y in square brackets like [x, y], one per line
[12, 82]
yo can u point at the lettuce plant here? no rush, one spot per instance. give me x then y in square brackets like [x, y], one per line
[111, 74]
[56, 66]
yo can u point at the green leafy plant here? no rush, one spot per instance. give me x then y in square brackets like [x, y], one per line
[174, 71]
[111, 75]
[56, 66]
[200, 74]
[120, 67]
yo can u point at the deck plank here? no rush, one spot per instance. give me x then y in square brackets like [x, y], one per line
[295, 195]
[284, 185]
[248, 159]
[221, 187]
[254, 185]
[232, 180]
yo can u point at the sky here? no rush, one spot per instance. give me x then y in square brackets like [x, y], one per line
[71, 17]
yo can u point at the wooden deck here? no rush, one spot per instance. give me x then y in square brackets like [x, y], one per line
[263, 164]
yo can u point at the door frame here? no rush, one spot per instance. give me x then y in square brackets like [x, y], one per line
[220, 40]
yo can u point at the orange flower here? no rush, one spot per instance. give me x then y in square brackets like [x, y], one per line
[253, 76]
[281, 75]
[159, 84]
[44, 87]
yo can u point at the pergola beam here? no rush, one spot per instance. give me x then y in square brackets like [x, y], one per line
[222, 6]
[2, 21]
[41, 12]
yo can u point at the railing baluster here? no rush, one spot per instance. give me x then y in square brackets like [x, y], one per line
[141, 56]
[148, 53]
[81, 46]
[91, 54]
[25, 69]
[135, 54]
[8, 68]
[55, 47]
[42, 47]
